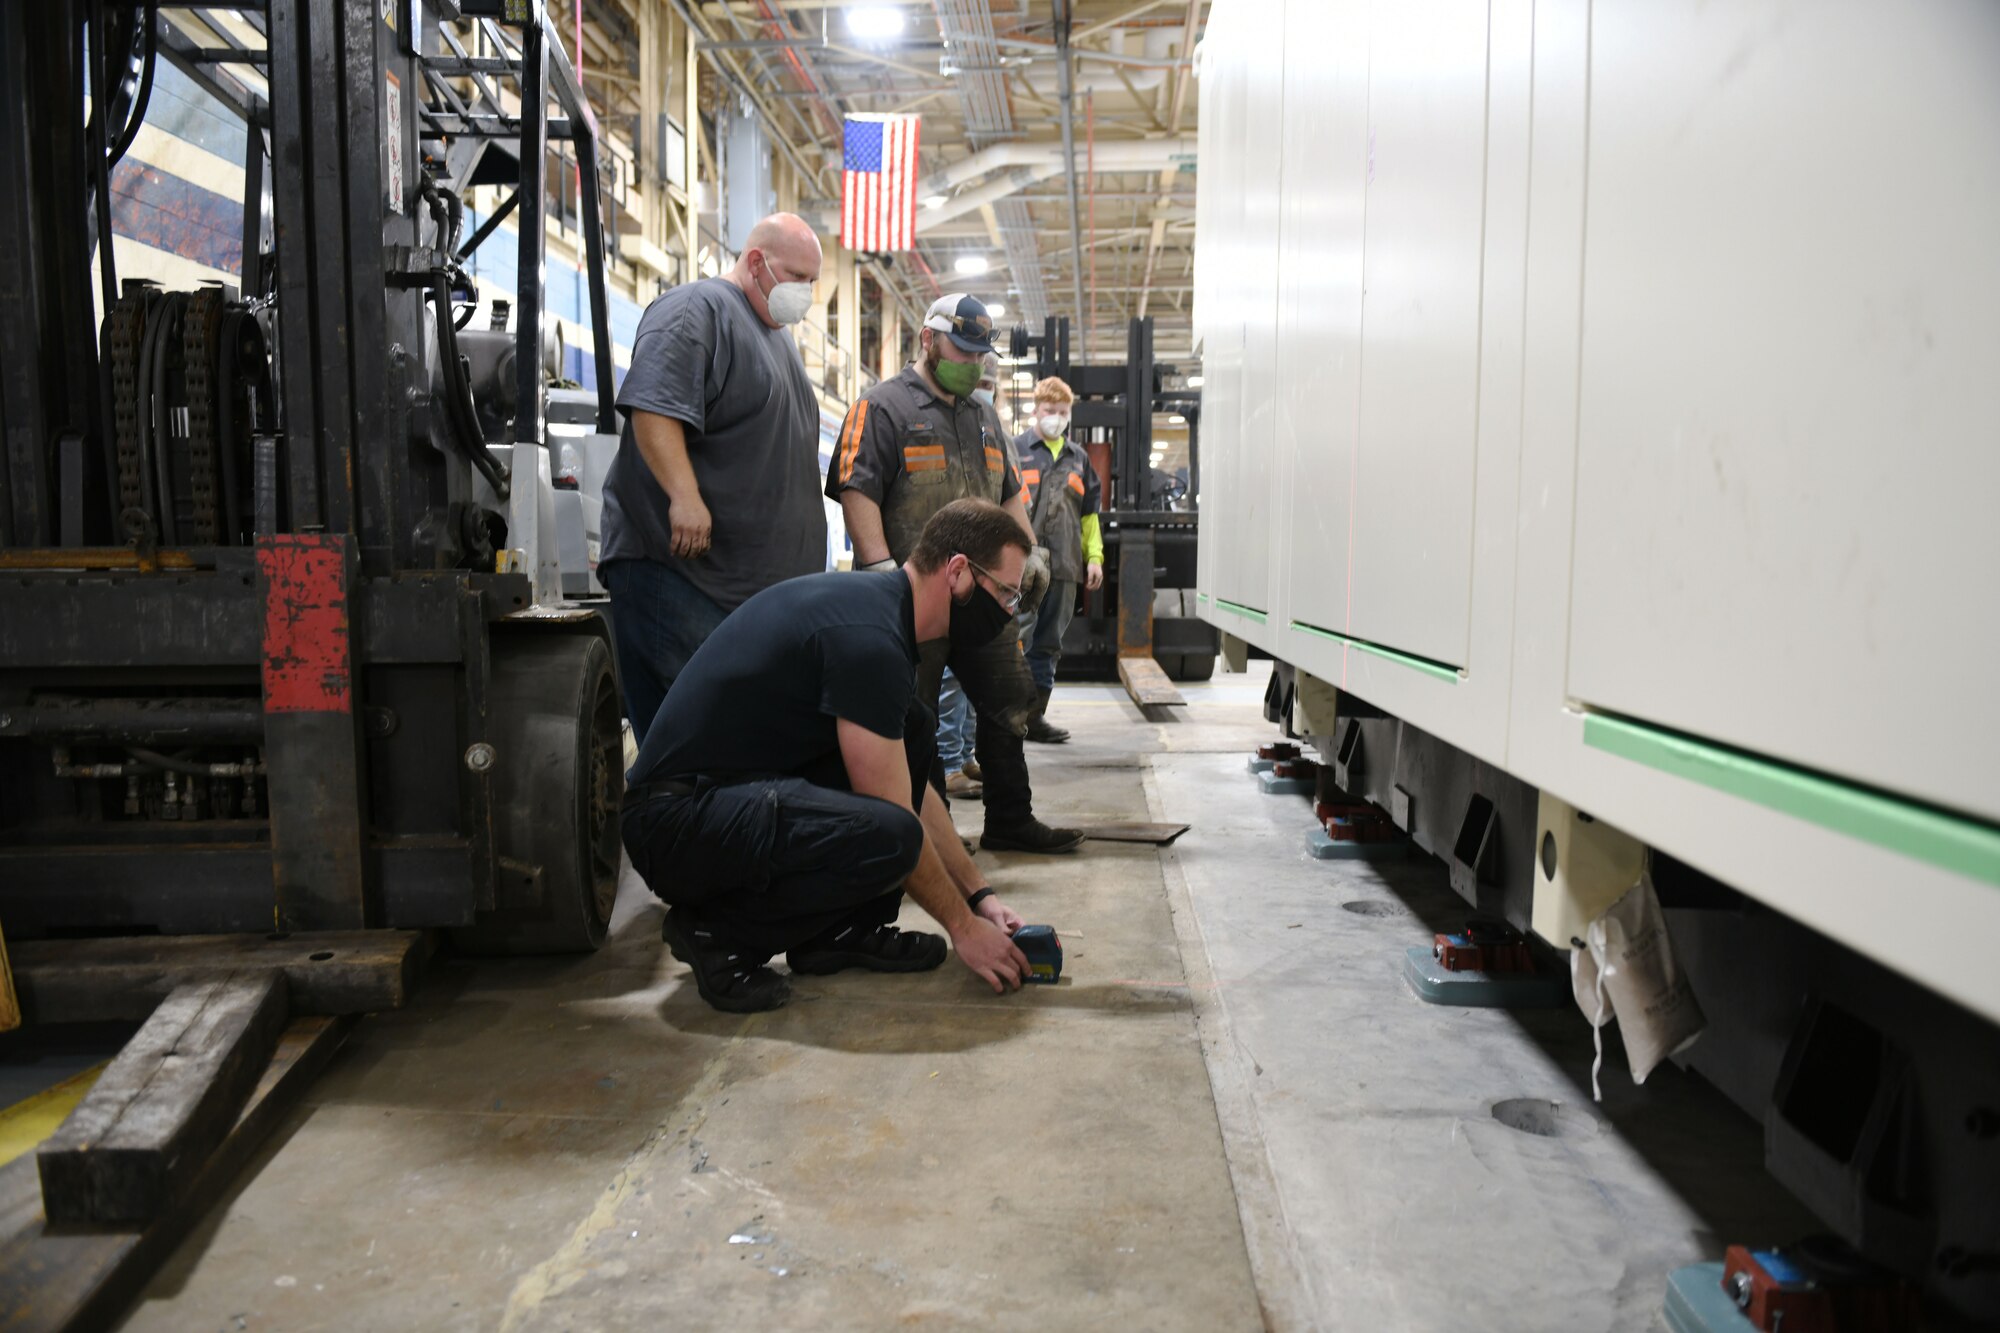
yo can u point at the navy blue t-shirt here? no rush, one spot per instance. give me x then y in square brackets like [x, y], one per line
[761, 696]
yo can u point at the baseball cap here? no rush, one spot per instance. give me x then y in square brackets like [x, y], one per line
[964, 320]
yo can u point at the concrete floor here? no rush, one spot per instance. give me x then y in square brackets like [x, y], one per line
[1233, 1115]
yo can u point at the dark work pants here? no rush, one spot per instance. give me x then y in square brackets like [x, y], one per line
[996, 681]
[775, 862]
[658, 619]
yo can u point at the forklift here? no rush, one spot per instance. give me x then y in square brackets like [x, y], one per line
[275, 655]
[1146, 607]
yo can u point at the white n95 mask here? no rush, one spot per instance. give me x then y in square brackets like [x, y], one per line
[1052, 427]
[789, 301]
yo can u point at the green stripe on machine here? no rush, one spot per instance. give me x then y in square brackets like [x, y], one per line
[1951, 841]
[1441, 670]
[1247, 612]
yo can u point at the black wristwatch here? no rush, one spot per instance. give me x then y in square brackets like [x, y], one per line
[973, 901]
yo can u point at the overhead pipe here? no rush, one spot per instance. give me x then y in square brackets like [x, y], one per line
[1064, 17]
[1149, 69]
[1159, 62]
[1181, 79]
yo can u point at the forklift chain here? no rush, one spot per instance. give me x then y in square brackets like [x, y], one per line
[200, 339]
[124, 329]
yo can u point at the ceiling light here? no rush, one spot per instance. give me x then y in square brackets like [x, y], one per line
[1194, 381]
[997, 309]
[1024, 377]
[936, 201]
[875, 21]
[971, 264]
[1177, 420]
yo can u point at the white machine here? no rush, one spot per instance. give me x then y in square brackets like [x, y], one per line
[1600, 427]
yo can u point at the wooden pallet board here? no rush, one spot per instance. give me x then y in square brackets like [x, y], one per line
[1159, 835]
[133, 1145]
[84, 1277]
[126, 977]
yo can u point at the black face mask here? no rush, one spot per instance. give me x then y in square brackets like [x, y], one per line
[978, 620]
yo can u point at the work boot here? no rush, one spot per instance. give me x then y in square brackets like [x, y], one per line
[971, 770]
[1040, 729]
[1033, 836]
[736, 983]
[960, 787]
[877, 948]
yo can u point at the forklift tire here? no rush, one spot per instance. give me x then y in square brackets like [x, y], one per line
[558, 778]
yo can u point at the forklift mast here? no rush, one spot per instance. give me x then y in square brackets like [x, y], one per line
[1146, 607]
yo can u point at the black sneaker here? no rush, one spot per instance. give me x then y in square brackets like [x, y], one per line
[736, 983]
[880, 949]
[1033, 836]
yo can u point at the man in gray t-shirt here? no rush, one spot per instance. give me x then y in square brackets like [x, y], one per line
[714, 495]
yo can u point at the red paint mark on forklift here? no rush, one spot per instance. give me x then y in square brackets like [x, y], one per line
[307, 662]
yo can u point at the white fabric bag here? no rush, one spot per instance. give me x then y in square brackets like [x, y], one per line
[1625, 971]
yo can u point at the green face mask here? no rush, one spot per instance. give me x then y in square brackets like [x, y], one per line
[957, 378]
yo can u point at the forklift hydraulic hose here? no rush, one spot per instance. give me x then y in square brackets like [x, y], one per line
[99, 133]
[199, 770]
[137, 115]
[462, 417]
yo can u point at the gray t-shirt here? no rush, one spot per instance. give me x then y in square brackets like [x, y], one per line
[704, 358]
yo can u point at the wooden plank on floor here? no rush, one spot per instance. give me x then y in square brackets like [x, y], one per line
[79, 1278]
[1159, 835]
[138, 1138]
[125, 977]
[1147, 683]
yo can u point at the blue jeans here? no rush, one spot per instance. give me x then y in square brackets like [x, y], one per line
[658, 619]
[955, 723]
[1043, 633]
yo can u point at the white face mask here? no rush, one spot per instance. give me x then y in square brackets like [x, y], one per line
[1052, 426]
[984, 395]
[788, 302]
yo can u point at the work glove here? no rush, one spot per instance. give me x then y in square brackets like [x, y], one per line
[1034, 579]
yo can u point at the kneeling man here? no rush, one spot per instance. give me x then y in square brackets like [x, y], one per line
[781, 802]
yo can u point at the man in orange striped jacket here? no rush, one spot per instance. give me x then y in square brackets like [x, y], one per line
[910, 446]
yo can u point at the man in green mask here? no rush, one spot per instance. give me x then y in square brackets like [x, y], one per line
[913, 444]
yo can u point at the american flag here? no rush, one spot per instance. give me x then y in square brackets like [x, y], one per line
[878, 183]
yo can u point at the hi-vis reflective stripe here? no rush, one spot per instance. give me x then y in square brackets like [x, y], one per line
[1076, 482]
[850, 439]
[923, 457]
[994, 461]
[1031, 475]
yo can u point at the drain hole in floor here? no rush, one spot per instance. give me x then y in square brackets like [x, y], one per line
[1374, 907]
[1544, 1119]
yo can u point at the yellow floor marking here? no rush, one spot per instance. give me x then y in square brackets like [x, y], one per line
[25, 1124]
